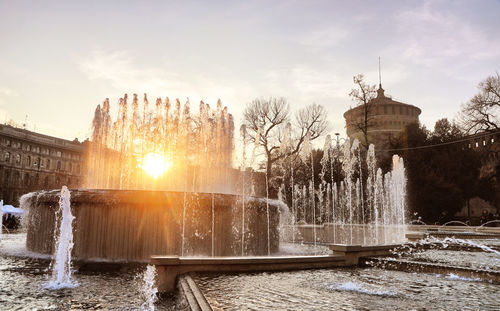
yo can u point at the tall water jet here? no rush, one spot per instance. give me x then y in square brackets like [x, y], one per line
[347, 167]
[61, 264]
[371, 163]
[243, 133]
[324, 187]
[399, 192]
[307, 153]
[1, 218]
[286, 149]
[148, 288]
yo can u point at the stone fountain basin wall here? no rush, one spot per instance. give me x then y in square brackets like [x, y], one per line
[132, 225]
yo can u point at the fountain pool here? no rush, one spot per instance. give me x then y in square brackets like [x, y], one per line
[118, 286]
[347, 289]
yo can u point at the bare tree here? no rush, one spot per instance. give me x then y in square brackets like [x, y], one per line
[482, 112]
[266, 120]
[363, 95]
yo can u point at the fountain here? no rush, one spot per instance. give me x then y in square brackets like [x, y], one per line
[360, 210]
[161, 189]
[159, 182]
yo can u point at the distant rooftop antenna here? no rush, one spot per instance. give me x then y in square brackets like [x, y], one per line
[379, 75]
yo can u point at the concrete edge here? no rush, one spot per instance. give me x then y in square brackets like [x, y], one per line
[194, 296]
[180, 261]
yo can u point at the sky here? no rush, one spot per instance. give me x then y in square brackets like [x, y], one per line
[60, 59]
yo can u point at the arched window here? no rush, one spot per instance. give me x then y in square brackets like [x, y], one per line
[7, 157]
[28, 161]
[37, 162]
[18, 158]
[47, 164]
[58, 165]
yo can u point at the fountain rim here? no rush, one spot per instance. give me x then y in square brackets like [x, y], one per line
[112, 196]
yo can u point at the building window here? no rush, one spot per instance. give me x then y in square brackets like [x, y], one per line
[37, 162]
[477, 144]
[58, 153]
[27, 179]
[7, 157]
[484, 142]
[28, 148]
[8, 143]
[18, 158]
[492, 140]
[58, 167]
[15, 180]
[70, 167]
[47, 164]
[28, 161]
[6, 178]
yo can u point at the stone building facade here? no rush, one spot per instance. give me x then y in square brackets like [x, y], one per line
[31, 161]
[385, 117]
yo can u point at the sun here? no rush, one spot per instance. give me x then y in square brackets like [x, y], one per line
[155, 164]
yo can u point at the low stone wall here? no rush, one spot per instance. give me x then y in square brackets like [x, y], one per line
[132, 225]
[355, 234]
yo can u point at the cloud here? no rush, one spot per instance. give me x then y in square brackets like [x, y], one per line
[437, 38]
[123, 74]
[4, 115]
[8, 92]
[322, 38]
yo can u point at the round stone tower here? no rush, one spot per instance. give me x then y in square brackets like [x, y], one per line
[385, 118]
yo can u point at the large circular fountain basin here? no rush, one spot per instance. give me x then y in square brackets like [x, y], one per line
[132, 225]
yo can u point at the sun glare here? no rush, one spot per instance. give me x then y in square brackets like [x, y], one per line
[155, 164]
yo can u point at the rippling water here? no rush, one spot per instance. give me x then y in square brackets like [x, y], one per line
[23, 276]
[22, 281]
[475, 260]
[347, 289]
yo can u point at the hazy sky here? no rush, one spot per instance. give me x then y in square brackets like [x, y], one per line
[59, 59]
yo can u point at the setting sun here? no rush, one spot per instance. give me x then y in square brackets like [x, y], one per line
[155, 164]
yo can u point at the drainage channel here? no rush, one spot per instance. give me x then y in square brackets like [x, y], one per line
[194, 296]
